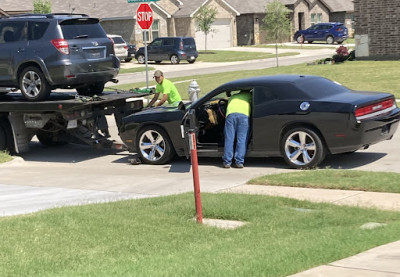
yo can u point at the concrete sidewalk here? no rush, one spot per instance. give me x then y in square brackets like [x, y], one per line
[382, 261]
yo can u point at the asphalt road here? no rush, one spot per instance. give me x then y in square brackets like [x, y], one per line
[47, 177]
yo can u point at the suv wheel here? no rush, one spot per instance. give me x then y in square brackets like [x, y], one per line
[299, 39]
[330, 40]
[174, 59]
[92, 89]
[33, 84]
[141, 59]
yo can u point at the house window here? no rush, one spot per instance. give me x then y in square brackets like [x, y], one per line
[312, 19]
[319, 17]
[153, 32]
[155, 29]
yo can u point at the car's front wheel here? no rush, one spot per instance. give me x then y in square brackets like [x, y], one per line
[92, 89]
[33, 84]
[141, 59]
[302, 148]
[330, 40]
[154, 145]
[299, 39]
[174, 59]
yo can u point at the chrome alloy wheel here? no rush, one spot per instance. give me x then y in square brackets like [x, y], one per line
[31, 84]
[152, 145]
[300, 148]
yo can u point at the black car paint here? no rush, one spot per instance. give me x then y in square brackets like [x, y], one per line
[332, 117]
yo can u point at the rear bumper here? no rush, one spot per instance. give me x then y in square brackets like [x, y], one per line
[366, 133]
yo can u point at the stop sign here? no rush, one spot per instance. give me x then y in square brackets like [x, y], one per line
[144, 16]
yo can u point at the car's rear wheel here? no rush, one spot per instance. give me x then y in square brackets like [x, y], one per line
[92, 89]
[141, 59]
[174, 59]
[302, 148]
[33, 84]
[330, 40]
[154, 146]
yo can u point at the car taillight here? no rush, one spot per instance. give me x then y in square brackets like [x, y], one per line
[181, 45]
[61, 45]
[339, 29]
[375, 109]
[126, 46]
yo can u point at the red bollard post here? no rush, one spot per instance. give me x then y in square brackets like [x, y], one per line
[196, 180]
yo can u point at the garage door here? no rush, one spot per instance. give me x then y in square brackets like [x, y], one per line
[220, 38]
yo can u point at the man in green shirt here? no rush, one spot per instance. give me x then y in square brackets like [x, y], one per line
[237, 127]
[167, 89]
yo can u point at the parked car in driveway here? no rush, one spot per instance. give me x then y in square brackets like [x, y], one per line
[299, 118]
[120, 47]
[41, 52]
[174, 49]
[131, 52]
[329, 32]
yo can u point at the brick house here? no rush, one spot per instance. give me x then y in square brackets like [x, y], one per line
[377, 32]
[237, 22]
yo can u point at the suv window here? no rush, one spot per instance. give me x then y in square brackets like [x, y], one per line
[168, 42]
[157, 42]
[11, 31]
[37, 29]
[188, 43]
[78, 28]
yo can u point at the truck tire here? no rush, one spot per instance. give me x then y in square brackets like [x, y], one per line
[6, 139]
[154, 145]
[33, 84]
[50, 138]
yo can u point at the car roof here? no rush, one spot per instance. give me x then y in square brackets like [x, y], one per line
[262, 80]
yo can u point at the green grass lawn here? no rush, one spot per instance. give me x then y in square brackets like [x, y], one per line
[234, 56]
[159, 237]
[136, 69]
[359, 75]
[4, 157]
[329, 179]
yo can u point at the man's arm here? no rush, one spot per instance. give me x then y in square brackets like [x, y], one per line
[163, 99]
[153, 100]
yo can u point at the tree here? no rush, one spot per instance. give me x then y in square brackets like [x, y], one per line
[41, 6]
[204, 18]
[277, 23]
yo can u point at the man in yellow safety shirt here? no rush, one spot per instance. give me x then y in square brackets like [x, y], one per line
[167, 89]
[237, 125]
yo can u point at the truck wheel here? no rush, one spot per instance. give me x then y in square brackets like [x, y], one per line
[50, 138]
[33, 84]
[174, 59]
[302, 148]
[154, 146]
[6, 139]
[92, 89]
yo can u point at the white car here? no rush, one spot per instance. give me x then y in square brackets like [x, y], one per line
[120, 47]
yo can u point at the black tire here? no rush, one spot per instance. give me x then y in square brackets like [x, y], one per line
[298, 39]
[191, 61]
[50, 138]
[154, 145]
[174, 59]
[330, 40]
[6, 137]
[141, 59]
[33, 84]
[92, 89]
[302, 148]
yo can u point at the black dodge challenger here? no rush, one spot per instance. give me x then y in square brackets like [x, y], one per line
[299, 118]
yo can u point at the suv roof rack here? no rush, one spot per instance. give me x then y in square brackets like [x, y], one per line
[47, 15]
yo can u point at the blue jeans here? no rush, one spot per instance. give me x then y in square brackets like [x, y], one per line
[237, 126]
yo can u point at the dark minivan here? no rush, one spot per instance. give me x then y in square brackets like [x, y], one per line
[41, 52]
[174, 49]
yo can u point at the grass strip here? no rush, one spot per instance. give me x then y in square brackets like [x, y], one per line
[334, 179]
[159, 237]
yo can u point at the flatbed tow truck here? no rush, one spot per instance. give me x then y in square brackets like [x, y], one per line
[64, 118]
